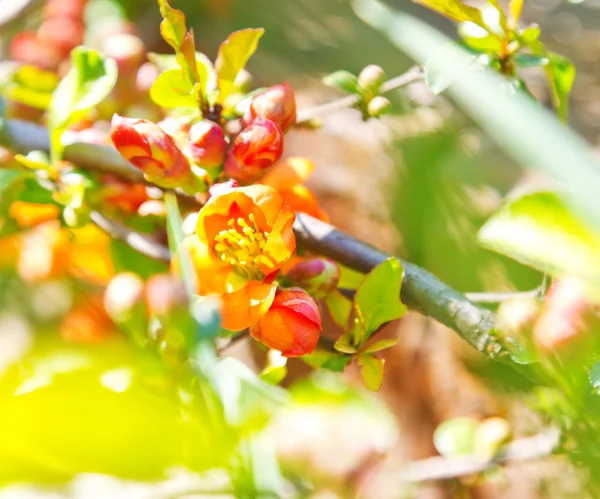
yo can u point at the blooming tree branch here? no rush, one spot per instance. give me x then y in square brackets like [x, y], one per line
[421, 290]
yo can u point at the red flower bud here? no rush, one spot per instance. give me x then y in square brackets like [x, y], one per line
[146, 146]
[277, 103]
[254, 150]
[207, 144]
[317, 276]
[292, 324]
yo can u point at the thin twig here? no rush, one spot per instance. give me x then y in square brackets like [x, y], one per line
[440, 468]
[13, 10]
[500, 297]
[140, 243]
[411, 76]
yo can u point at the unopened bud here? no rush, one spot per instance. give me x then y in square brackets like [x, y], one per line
[378, 106]
[254, 150]
[371, 78]
[207, 144]
[292, 324]
[123, 295]
[147, 147]
[567, 318]
[277, 103]
[317, 276]
[491, 436]
[127, 50]
[165, 295]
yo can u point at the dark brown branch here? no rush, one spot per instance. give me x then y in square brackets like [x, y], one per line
[142, 244]
[411, 76]
[421, 290]
[439, 468]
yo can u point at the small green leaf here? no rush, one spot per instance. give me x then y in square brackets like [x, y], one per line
[31, 86]
[344, 80]
[345, 344]
[455, 10]
[538, 230]
[371, 371]
[381, 345]
[456, 437]
[339, 308]
[561, 73]
[516, 6]
[206, 71]
[273, 375]
[173, 89]
[377, 299]
[478, 38]
[90, 79]
[233, 56]
[530, 34]
[530, 60]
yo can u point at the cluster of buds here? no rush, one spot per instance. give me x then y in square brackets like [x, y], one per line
[168, 160]
[370, 80]
[62, 29]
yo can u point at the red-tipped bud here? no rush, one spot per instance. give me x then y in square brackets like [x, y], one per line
[371, 77]
[165, 295]
[127, 50]
[207, 144]
[146, 146]
[223, 187]
[292, 324]
[254, 150]
[277, 103]
[567, 317]
[123, 295]
[317, 276]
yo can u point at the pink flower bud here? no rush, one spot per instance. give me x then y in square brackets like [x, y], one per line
[317, 276]
[254, 150]
[277, 103]
[147, 147]
[292, 324]
[207, 144]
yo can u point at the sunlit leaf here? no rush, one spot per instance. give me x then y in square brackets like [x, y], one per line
[173, 89]
[345, 344]
[455, 10]
[561, 73]
[478, 38]
[339, 308]
[31, 86]
[594, 377]
[233, 56]
[371, 371]
[456, 437]
[206, 71]
[516, 6]
[90, 79]
[343, 80]
[377, 299]
[381, 345]
[539, 230]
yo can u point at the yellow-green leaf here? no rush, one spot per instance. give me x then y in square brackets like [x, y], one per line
[561, 75]
[173, 89]
[455, 10]
[516, 7]
[371, 371]
[344, 344]
[339, 308]
[381, 345]
[31, 86]
[233, 56]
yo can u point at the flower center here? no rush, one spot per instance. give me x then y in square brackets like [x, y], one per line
[242, 247]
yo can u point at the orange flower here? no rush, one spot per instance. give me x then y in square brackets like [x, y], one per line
[287, 177]
[244, 237]
[292, 324]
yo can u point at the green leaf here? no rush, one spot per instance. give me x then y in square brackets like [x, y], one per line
[9, 177]
[371, 371]
[377, 299]
[516, 6]
[339, 308]
[345, 344]
[206, 71]
[478, 38]
[455, 10]
[530, 60]
[594, 377]
[31, 86]
[523, 128]
[561, 73]
[344, 80]
[273, 375]
[173, 89]
[90, 80]
[233, 56]
[381, 345]
[175, 33]
[539, 230]
[456, 437]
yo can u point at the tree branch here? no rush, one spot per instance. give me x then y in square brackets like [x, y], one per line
[440, 468]
[413, 75]
[421, 290]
